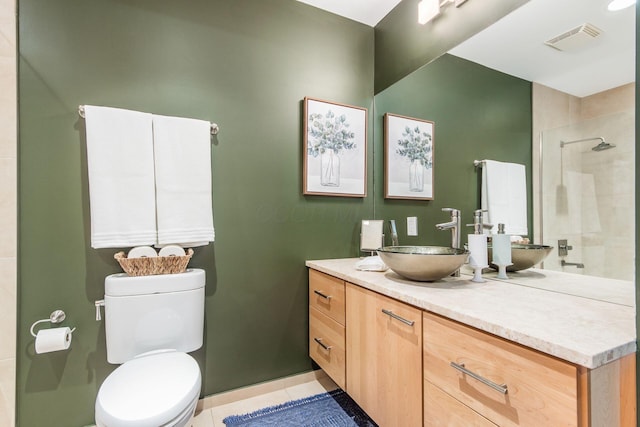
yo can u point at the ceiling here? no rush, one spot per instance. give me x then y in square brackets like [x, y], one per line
[515, 44]
[368, 12]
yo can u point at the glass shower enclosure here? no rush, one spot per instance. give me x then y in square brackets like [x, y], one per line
[588, 196]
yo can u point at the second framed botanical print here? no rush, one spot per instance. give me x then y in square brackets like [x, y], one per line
[408, 158]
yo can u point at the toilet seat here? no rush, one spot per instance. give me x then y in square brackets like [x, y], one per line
[151, 390]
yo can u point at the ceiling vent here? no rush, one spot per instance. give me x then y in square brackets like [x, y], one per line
[575, 38]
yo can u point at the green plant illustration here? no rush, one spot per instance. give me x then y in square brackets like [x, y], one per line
[329, 132]
[416, 145]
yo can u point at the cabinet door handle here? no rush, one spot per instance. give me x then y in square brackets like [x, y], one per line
[327, 297]
[395, 316]
[323, 345]
[502, 388]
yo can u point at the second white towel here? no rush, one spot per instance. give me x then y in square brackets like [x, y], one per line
[182, 153]
[504, 195]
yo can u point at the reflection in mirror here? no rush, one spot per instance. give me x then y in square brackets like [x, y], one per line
[583, 88]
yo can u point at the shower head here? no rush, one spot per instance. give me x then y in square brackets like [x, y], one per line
[603, 146]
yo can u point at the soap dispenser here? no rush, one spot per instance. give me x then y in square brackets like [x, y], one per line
[477, 242]
[501, 251]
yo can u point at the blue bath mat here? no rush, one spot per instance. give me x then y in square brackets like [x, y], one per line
[333, 409]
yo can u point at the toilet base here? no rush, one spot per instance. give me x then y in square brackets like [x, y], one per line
[184, 419]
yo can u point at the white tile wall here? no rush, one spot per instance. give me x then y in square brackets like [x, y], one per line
[602, 233]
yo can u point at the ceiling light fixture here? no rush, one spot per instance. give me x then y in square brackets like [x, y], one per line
[429, 9]
[615, 5]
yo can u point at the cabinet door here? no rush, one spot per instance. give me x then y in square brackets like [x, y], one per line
[442, 410]
[326, 293]
[326, 345]
[384, 357]
[508, 384]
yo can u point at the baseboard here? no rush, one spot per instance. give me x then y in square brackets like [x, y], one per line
[223, 398]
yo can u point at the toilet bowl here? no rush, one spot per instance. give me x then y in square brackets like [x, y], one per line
[159, 388]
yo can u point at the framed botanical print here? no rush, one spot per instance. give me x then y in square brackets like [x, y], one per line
[335, 149]
[408, 157]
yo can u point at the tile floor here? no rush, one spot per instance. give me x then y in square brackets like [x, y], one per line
[213, 416]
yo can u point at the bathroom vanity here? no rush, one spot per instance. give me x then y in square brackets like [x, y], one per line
[541, 348]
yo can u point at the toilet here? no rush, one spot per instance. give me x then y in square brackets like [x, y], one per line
[151, 323]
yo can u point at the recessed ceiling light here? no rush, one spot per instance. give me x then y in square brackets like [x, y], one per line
[616, 5]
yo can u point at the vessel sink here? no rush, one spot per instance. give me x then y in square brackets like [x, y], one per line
[423, 263]
[524, 256]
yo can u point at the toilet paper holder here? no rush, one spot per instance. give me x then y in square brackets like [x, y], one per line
[56, 316]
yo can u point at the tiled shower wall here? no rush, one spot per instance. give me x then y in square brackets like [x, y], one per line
[605, 247]
[8, 210]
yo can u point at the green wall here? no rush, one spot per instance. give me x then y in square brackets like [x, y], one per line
[246, 65]
[479, 114]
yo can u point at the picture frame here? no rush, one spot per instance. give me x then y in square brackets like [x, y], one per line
[334, 149]
[408, 157]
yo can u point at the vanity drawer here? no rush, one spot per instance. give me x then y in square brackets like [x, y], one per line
[442, 410]
[327, 345]
[539, 390]
[326, 293]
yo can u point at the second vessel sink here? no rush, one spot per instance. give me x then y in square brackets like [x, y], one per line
[524, 256]
[423, 263]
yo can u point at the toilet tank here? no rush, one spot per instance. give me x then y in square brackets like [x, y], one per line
[148, 313]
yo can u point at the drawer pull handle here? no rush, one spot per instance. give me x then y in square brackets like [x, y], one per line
[502, 388]
[327, 297]
[395, 316]
[323, 345]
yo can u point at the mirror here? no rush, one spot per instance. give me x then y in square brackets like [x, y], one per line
[581, 58]
[585, 90]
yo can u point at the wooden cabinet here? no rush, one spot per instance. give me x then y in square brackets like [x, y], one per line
[326, 325]
[406, 367]
[384, 357]
[506, 383]
[442, 410]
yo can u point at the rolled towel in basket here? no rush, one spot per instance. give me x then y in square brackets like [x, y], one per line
[182, 151]
[121, 177]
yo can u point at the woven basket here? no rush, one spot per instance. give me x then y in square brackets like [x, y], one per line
[153, 265]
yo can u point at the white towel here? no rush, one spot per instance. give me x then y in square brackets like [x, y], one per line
[182, 151]
[121, 177]
[504, 195]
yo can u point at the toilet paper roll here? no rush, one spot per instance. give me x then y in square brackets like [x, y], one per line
[54, 339]
[478, 250]
[141, 252]
[171, 250]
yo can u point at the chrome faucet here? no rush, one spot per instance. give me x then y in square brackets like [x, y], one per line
[394, 232]
[575, 264]
[478, 222]
[453, 225]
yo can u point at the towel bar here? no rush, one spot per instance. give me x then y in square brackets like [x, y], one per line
[214, 126]
[478, 163]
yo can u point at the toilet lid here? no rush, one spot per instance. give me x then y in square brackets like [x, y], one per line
[149, 390]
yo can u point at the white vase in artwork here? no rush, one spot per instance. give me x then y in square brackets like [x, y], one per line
[329, 169]
[416, 176]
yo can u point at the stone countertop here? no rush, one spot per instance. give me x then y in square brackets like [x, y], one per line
[589, 321]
